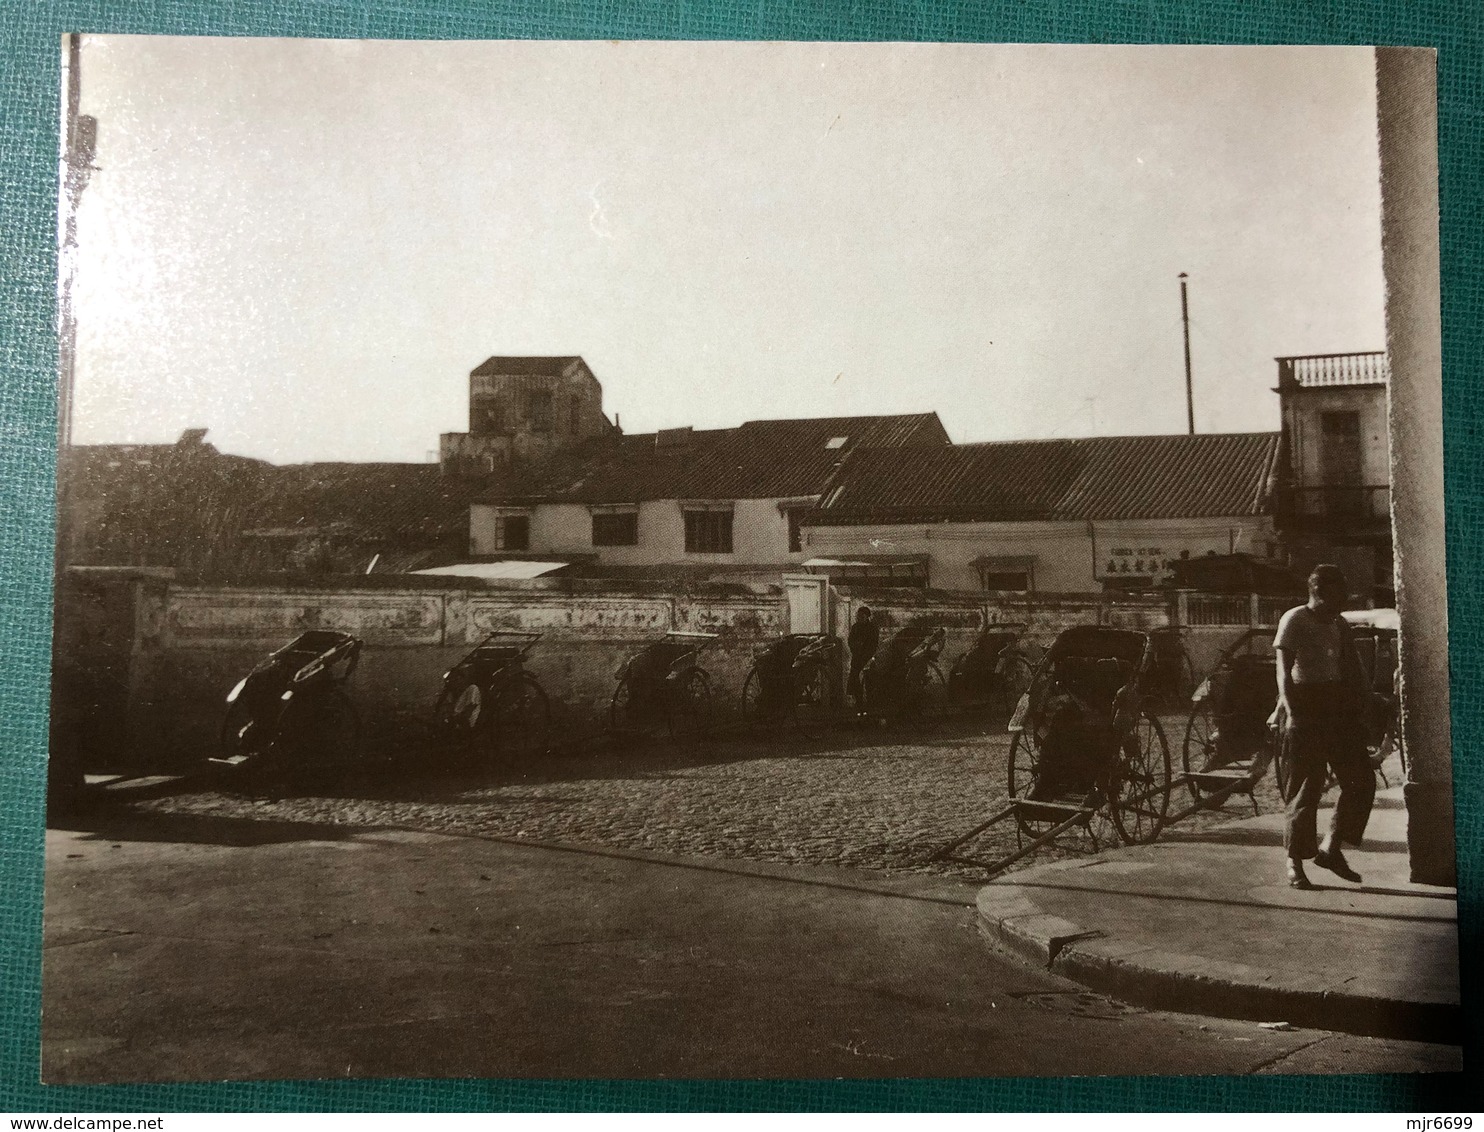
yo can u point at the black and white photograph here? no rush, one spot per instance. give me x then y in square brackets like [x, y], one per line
[694, 560]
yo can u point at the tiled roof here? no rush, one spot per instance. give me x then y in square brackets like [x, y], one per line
[757, 460]
[1116, 477]
[396, 502]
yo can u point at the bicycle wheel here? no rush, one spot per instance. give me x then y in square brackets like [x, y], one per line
[1012, 678]
[521, 718]
[1139, 788]
[689, 704]
[813, 700]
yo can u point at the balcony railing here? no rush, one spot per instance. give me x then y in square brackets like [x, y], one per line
[1356, 503]
[1317, 370]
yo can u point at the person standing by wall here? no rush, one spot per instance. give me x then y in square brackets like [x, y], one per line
[862, 642]
[1321, 709]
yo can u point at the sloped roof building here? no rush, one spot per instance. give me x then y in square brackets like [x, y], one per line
[1064, 515]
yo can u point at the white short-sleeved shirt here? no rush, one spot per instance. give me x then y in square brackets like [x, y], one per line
[1314, 643]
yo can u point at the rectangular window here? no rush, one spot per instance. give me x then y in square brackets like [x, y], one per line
[708, 531]
[538, 411]
[1004, 580]
[513, 532]
[615, 528]
[795, 534]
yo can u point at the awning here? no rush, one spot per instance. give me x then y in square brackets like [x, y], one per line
[510, 569]
[1374, 618]
[866, 561]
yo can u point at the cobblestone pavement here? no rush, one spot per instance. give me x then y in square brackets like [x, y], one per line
[860, 799]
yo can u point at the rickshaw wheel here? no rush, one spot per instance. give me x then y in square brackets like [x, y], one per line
[1010, 683]
[927, 698]
[460, 710]
[690, 704]
[620, 707]
[1200, 745]
[1282, 764]
[522, 718]
[329, 734]
[754, 700]
[1024, 767]
[1139, 793]
[813, 702]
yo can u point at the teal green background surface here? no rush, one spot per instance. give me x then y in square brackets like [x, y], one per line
[29, 87]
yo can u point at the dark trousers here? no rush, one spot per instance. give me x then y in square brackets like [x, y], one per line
[1324, 734]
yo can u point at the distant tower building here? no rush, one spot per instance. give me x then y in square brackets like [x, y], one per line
[521, 409]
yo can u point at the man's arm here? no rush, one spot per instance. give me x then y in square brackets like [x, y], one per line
[1285, 678]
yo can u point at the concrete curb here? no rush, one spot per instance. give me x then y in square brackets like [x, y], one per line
[1162, 980]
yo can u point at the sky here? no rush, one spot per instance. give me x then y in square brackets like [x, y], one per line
[305, 246]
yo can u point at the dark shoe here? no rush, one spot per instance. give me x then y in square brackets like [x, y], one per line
[1335, 862]
[1296, 877]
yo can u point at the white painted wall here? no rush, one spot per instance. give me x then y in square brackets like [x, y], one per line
[1303, 410]
[759, 534]
[1070, 556]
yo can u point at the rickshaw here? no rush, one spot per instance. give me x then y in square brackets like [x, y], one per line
[994, 671]
[663, 683]
[489, 700]
[902, 682]
[793, 678]
[1375, 632]
[1086, 750]
[291, 710]
[1228, 743]
[1086, 743]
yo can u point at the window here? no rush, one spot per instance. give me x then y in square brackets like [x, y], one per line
[1004, 580]
[538, 411]
[795, 534]
[1015, 573]
[836, 442]
[616, 528]
[708, 530]
[513, 532]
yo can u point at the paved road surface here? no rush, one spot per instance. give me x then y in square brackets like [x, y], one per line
[181, 947]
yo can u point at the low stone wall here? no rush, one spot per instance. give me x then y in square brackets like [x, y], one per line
[191, 642]
[196, 642]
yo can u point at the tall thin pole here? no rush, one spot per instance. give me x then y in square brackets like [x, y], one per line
[1185, 321]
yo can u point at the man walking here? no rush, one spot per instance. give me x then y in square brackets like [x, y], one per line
[1321, 701]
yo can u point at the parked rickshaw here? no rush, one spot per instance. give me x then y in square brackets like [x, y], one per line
[1086, 743]
[794, 679]
[1228, 743]
[291, 711]
[1086, 750]
[489, 700]
[902, 682]
[1375, 633]
[664, 683]
[995, 670]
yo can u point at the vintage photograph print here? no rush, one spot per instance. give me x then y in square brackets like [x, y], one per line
[738, 560]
